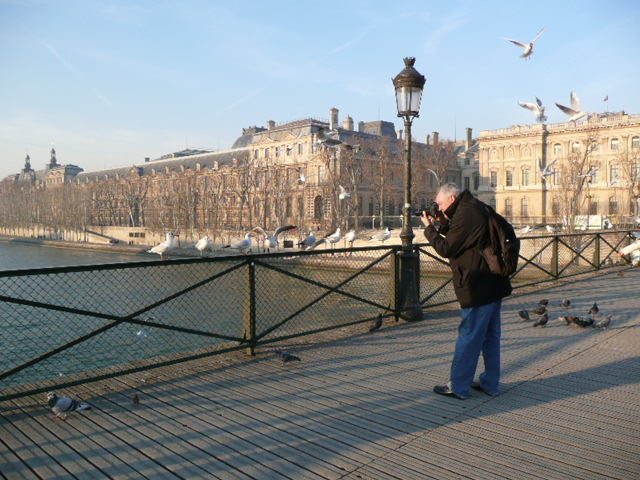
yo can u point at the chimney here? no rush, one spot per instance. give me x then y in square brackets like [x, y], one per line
[347, 124]
[271, 124]
[361, 127]
[146, 159]
[435, 139]
[333, 119]
[427, 139]
[400, 134]
[469, 139]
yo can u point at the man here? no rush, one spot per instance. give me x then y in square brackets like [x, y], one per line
[465, 226]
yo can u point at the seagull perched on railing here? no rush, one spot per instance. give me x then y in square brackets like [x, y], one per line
[244, 244]
[334, 237]
[309, 241]
[575, 112]
[382, 236]
[165, 247]
[350, 237]
[536, 108]
[204, 245]
[271, 241]
[528, 47]
[526, 229]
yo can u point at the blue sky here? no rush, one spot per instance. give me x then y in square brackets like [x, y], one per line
[111, 82]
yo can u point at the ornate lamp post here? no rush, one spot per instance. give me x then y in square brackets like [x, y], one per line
[408, 85]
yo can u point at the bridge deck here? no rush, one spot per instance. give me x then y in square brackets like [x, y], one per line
[362, 408]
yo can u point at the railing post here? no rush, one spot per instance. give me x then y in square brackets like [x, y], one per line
[596, 252]
[249, 320]
[394, 288]
[555, 262]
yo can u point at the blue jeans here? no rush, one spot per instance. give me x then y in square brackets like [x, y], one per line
[479, 331]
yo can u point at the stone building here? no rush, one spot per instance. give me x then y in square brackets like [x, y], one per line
[52, 174]
[592, 171]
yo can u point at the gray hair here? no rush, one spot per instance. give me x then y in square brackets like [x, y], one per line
[448, 190]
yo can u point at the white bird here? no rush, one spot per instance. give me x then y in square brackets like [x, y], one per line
[244, 244]
[343, 193]
[204, 245]
[435, 175]
[316, 243]
[536, 108]
[528, 47]
[165, 247]
[334, 237]
[575, 112]
[271, 241]
[303, 178]
[546, 170]
[350, 237]
[309, 241]
[62, 406]
[550, 229]
[382, 236]
[526, 229]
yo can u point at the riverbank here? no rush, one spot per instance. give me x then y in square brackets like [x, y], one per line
[130, 249]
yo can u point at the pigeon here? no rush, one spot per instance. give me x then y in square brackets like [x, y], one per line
[287, 357]
[136, 399]
[343, 193]
[382, 236]
[377, 323]
[575, 111]
[566, 303]
[581, 322]
[540, 310]
[604, 324]
[594, 309]
[536, 108]
[544, 302]
[62, 406]
[309, 241]
[528, 47]
[524, 315]
[542, 321]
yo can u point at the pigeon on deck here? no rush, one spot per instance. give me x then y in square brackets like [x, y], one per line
[583, 322]
[544, 302]
[594, 309]
[540, 310]
[604, 324]
[377, 323]
[524, 315]
[542, 321]
[62, 406]
[566, 303]
[287, 357]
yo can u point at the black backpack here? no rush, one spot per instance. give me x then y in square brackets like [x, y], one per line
[503, 251]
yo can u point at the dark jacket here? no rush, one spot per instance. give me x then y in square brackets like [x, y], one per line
[466, 232]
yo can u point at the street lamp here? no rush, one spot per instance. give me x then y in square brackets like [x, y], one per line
[408, 85]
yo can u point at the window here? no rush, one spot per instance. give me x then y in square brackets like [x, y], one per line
[594, 175]
[575, 147]
[508, 207]
[467, 160]
[555, 207]
[557, 149]
[524, 207]
[467, 183]
[556, 176]
[613, 206]
[635, 172]
[256, 153]
[266, 152]
[278, 151]
[492, 203]
[635, 143]
[287, 212]
[615, 144]
[288, 149]
[615, 173]
[593, 207]
[525, 176]
[321, 173]
[494, 179]
[300, 148]
[508, 178]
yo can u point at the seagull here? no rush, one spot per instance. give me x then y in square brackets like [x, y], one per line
[589, 173]
[550, 229]
[303, 178]
[317, 242]
[334, 237]
[244, 244]
[604, 324]
[62, 406]
[435, 175]
[566, 303]
[545, 170]
[528, 47]
[377, 323]
[526, 229]
[326, 137]
[536, 108]
[309, 241]
[542, 321]
[343, 193]
[350, 237]
[164, 247]
[287, 357]
[271, 241]
[382, 236]
[594, 309]
[204, 244]
[540, 310]
[524, 315]
[575, 112]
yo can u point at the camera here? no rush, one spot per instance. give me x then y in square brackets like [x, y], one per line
[431, 209]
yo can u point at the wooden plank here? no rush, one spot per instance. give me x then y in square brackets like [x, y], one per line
[11, 467]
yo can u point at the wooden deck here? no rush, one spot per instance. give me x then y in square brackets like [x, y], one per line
[362, 408]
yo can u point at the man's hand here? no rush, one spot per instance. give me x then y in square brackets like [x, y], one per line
[426, 219]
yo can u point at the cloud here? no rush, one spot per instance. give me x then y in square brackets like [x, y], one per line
[447, 24]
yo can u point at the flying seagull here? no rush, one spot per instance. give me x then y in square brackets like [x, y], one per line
[435, 175]
[287, 357]
[62, 406]
[303, 178]
[546, 170]
[575, 112]
[271, 241]
[343, 193]
[377, 323]
[528, 47]
[536, 108]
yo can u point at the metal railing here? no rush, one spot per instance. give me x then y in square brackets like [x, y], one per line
[69, 325]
